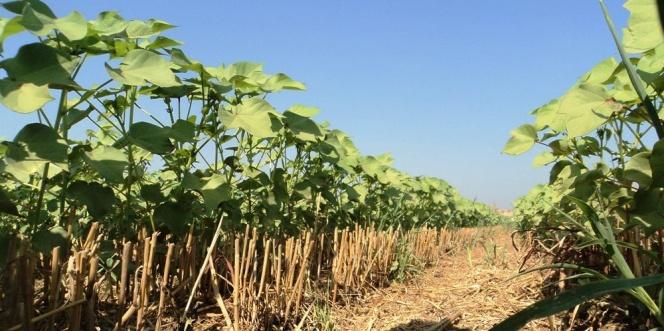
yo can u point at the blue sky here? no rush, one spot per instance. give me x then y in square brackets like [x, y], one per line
[439, 84]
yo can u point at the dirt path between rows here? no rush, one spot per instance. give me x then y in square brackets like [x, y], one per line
[462, 292]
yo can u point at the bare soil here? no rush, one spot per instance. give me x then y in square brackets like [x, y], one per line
[469, 289]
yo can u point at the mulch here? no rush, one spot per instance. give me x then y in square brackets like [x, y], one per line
[461, 292]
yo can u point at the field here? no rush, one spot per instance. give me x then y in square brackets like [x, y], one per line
[171, 194]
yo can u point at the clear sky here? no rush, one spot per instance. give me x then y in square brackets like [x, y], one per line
[439, 84]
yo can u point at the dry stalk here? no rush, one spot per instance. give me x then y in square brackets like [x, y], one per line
[164, 284]
[211, 248]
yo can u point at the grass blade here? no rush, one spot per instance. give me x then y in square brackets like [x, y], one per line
[633, 76]
[573, 297]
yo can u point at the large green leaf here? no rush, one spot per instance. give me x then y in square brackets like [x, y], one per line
[302, 127]
[109, 23]
[40, 64]
[41, 143]
[98, 199]
[73, 116]
[570, 298]
[37, 21]
[44, 241]
[185, 63]
[17, 7]
[183, 131]
[281, 82]
[252, 116]
[173, 215]
[522, 139]
[650, 65]
[9, 27]
[140, 65]
[547, 116]
[638, 170]
[23, 98]
[161, 42]
[657, 163]
[543, 158]
[643, 30]
[602, 72]
[108, 161]
[649, 208]
[304, 111]
[145, 29]
[585, 108]
[372, 166]
[6, 205]
[151, 137]
[73, 26]
[152, 193]
[216, 190]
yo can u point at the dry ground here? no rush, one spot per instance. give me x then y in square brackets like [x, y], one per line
[467, 290]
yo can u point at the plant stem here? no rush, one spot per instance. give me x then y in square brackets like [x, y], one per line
[40, 198]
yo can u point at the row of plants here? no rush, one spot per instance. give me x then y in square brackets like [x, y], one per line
[601, 214]
[161, 141]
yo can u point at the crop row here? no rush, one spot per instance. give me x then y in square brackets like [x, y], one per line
[601, 217]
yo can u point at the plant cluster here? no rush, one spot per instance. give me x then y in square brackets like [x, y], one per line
[604, 142]
[167, 143]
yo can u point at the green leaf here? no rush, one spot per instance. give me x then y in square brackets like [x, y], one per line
[8, 28]
[173, 215]
[602, 72]
[522, 139]
[302, 127]
[180, 59]
[627, 62]
[98, 199]
[191, 181]
[40, 64]
[650, 65]
[73, 116]
[216, 190]
[281, 82]
[357, 193]
[152, 193]
[585, 108]
[23, 98]
[657, 163]
[40, 142]
[649, 208]
[139, 66]
[252, 116]
[547, 116]
[150, 137]
[73, 26]
[638, 170]
[570, 298]
[146, 29]
[6, 205]
[183, 131]
[17, 7]
[44, 241]
[38, 22]
[109, 23]
[643, 30]
[543, 158]
[304, 111]
[108, 161]
[162, 42]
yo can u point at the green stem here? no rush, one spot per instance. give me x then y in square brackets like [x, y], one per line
[42, 190]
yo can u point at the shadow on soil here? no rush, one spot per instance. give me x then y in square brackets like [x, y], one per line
[417, 324]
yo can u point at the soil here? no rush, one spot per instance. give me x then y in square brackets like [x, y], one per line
[469, 289]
